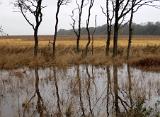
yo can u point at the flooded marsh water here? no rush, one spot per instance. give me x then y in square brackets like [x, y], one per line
[77, 91]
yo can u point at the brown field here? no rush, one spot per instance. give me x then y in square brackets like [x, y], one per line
[17, 51]
[71, 41]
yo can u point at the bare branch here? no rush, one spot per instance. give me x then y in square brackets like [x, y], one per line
[74, 22]
[34, 8]
[103, 11]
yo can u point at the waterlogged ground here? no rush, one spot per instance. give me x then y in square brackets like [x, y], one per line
[79, 91]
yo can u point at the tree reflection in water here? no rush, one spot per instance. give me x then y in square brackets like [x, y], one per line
[80, 91]
[87, 91]
[59, 114]
[115, 78]
[40, 107]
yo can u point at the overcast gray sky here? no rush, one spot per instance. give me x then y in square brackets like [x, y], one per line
[14, 24]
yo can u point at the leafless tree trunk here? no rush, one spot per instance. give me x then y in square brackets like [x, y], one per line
[109, 28]
[135, 5]
[59, 4]
[78, 31]
[122, 8]
[115, 39]
[36, 42]
[130, 30]
[87, 26]
[33, 7]
[109, 23]
[79, 22]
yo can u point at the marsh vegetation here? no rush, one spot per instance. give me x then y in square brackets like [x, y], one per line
[87, 74]
[17, 52]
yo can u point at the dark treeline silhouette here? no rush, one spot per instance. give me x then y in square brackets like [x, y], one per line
[149, 28]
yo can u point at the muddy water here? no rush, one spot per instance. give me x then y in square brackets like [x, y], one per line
[79, 91]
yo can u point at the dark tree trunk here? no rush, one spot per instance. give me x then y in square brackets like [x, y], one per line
[87, 45]
[36, 42]
[38, 18]
[78, 39]
[115, 40]
[87, 26]
[56, 29]
[116, 26]
[92, 44]
[108, 29]
[89, 38]
[79, 33]
[79, 24]
[108, 42]
[130, 33]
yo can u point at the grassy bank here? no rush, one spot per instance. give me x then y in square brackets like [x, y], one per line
[22, 56]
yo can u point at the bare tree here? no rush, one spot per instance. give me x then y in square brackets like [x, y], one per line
[34, 8]
[78, 31]
[119, 14]
[59, 4]
[123, 8]
[87, 25]
[109, 15]
[130, 29]
[135, 5]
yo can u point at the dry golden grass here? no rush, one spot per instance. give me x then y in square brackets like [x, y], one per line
[16, 53]
[98, 42]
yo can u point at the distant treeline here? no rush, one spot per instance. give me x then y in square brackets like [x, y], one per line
[149, 28]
